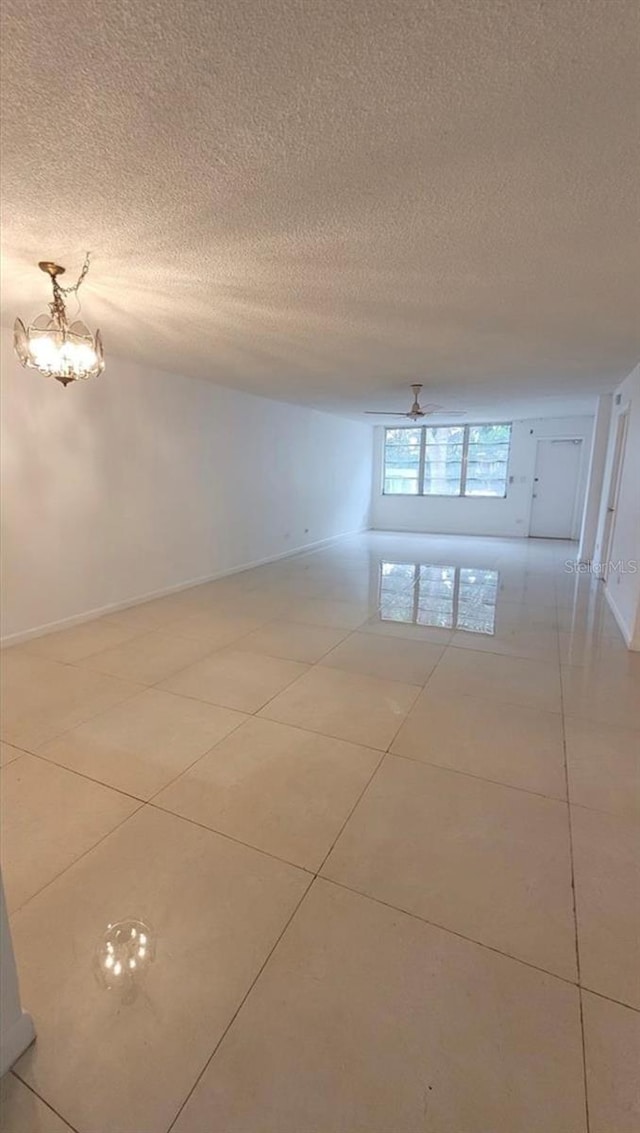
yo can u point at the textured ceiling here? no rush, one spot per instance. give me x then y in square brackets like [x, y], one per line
[324, 200]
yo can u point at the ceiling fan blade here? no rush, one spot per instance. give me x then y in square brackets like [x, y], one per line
[381, 413]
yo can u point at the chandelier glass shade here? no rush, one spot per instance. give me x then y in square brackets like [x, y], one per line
[52, 345]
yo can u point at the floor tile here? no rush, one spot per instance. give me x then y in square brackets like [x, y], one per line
[612, 1053]
[70, 645]
[484, 860]
[538, 644]
[601, 695]
[325, 612]
[596, 617]
[143, 744]
[42, 698]
[278, 788]
[146, 616]
[8, 754]
[23, 1112]
[284, 588]
[363, 710]
[49, 818]
[581, 648]
[294, 641]
[606, 860]
[368, 1021]
[149, 658]
[337, 1045]
[356, 590]
[382, 627]
[522, 617]
[214, 911]
[603, 764]
[217, 627]
[520, 591]
[236, 679]
[390, 658]
[514, 680]
[509, 743]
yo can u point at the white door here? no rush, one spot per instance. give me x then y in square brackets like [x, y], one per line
[555, 486]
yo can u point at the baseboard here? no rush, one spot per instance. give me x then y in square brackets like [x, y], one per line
[15, 1041]
[165, 592]
[625, 629]
[447, 534]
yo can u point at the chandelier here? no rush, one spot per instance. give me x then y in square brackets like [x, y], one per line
[53, 346]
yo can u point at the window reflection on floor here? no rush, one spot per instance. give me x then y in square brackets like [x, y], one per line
[445, 596]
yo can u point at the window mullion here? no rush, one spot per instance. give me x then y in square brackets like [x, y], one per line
[423, 435]
[465, 458]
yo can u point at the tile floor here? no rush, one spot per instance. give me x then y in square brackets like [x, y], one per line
[363, 825]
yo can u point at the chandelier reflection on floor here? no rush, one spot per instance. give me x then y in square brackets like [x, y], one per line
[50, 344]
[123, 954]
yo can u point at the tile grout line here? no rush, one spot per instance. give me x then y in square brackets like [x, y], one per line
[193, 763]
[479, 778]
[91, 716]
[316, 874]
[230, 838]
[383, 755]
[76, 860]
[574, 900]
[83, 775]
[458, 934]
[610, 999]
[33, 1090]
[242, 1002]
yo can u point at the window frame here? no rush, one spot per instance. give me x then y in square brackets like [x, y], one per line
[462, 493]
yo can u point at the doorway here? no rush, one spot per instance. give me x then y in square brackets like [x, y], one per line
[555, 488]
[612, 497]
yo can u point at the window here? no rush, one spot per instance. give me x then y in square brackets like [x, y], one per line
[487, 460]
[447, 460]
[402, 461]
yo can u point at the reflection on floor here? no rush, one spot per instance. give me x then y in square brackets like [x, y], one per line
[374, 811]
[427, 594]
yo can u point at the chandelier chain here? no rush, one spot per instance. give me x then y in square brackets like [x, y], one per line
[79, 281]
[57, 307]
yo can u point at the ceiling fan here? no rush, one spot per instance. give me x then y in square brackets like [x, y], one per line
[417, 410]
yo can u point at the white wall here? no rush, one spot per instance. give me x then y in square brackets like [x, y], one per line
[16, 1025]
[140, 481]
[464, 516]
[623, 583]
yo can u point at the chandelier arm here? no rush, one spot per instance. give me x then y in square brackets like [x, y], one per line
[57, 307]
